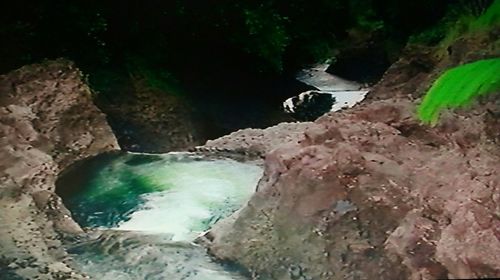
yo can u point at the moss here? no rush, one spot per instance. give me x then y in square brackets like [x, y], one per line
[459, 86]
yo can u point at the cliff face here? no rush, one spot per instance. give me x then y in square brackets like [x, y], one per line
[47, 122]
[370, 193]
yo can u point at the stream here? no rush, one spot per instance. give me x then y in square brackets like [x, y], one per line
[147, 210]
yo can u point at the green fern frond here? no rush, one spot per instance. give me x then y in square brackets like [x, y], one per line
[459, 86]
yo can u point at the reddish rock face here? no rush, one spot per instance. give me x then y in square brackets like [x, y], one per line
[370, 193]
[358, 198]
[47, 122]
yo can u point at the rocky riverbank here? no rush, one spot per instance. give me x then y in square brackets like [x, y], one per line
[366, 193]
[370, 193]
[357, 197]
[47, 122]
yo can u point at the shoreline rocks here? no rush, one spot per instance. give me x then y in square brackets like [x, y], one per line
[47, 122]
[370, 192]
[360, 198]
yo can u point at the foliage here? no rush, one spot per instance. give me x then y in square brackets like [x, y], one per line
[473, 20]
[156, 77]
[475, 7]
[469, 16]
[49, 29]
[266, 35]
[186, 38]
[433, 35]
[490, 18]
[365, 16]
[459, 86]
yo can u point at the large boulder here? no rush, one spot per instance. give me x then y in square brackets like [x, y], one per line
[371, 194]
[47, 122]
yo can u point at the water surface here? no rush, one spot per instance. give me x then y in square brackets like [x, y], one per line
[149, 209]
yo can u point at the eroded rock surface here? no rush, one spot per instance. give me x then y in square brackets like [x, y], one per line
[256, 142]
[370, 193]
[47, 122]
[361, 198]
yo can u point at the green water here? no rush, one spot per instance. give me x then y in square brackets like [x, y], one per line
[150, 208]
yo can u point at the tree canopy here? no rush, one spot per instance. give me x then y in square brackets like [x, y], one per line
[270, 35]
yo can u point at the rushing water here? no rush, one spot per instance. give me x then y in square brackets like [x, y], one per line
[149, 209]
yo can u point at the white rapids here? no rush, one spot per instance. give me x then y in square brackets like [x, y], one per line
[345, 93]
[147, 211]
[197, 194]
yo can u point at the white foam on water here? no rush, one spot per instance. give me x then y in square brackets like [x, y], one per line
[324, 81]
[346, 99]
[343, 99]
[184, 196]
[135, 256]
[197, 193]
[106, 268]
[347, 93]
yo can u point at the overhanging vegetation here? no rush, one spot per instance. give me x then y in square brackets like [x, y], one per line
[459, 86]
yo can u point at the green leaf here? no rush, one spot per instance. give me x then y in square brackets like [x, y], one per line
[459, 86]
